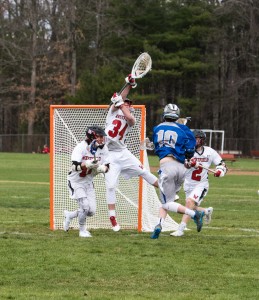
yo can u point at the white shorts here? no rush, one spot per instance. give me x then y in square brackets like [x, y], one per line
[80, 190]
[123, 163]
[197, 194]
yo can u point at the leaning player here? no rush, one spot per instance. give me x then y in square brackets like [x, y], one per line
[173, 143]
[196, 184]
[120, 120]
[89, 158]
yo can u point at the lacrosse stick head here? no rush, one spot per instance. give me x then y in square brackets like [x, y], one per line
[142, 66]
[146, 144]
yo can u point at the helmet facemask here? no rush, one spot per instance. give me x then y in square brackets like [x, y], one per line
[200, 137]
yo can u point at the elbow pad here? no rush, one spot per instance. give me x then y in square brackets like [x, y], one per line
[76, 166]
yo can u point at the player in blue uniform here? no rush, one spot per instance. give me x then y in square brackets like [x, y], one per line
[174, 143]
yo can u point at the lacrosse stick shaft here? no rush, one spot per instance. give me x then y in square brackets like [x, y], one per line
[208, 169]
[123, 88]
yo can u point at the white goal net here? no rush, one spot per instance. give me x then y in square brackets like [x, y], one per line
[137, 203]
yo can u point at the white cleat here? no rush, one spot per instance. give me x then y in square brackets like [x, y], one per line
[176, 198]
[85, 234]
[116, 228]
[207, 218]
[177, 233]
[66, 222]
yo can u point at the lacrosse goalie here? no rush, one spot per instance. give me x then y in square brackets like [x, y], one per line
[196, 183]
[89, 158]
[119, 121]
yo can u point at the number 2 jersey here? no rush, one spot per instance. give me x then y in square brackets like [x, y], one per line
[173, 139]
[81, 153]
[116, 129]
[193, 176]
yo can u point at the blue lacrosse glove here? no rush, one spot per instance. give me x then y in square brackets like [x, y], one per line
[189, 153]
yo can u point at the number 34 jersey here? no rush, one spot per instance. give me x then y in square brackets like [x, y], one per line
[116, 129]
[206, 158]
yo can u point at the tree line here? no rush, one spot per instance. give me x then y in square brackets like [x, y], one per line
[204, 52]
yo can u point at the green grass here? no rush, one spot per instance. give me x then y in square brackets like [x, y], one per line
[220, 262]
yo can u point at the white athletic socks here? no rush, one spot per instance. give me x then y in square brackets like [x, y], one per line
[112, 213]
[182, 226]
[190, 212]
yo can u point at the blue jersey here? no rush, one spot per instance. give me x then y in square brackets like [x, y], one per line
[173, 139]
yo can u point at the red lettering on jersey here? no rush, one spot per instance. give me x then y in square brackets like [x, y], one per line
[202, 159]
[122, 117]
[90, 158]
[195, 197]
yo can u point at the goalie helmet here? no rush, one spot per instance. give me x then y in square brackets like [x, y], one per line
[201, 136]
[171, 112]
[93, 131]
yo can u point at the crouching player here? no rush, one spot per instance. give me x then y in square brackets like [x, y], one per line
[196, 184]
[89, 158]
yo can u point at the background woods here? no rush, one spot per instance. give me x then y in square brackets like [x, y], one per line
[205, 59]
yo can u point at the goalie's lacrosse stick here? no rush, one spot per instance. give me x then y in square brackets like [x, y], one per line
[141, 67]
[146, 144]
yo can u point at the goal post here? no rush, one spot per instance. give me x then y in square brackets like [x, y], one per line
[137, 204]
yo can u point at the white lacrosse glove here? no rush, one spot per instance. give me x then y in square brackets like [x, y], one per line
[131, 81]
[220, 171]
[101, 169]
[91, 164]
[117, 100]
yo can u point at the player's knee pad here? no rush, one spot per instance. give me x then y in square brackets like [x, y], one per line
[82, 213]
[171, 206]
[91, 210]
[149, 177]
[111, 195]
[83, 204]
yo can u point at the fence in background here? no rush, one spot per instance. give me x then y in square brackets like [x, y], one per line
[24, 143]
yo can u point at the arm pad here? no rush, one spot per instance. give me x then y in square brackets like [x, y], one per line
[76, 166]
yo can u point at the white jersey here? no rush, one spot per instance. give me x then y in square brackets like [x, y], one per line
[194, 177]
[81, 153]
[116, 129]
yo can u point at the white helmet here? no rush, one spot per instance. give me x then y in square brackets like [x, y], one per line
[171, 111]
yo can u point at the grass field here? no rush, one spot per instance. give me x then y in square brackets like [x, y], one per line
[220, 262]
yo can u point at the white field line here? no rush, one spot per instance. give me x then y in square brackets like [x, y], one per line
[24, 182]
[167, 233]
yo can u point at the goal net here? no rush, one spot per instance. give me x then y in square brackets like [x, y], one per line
[137, 205]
